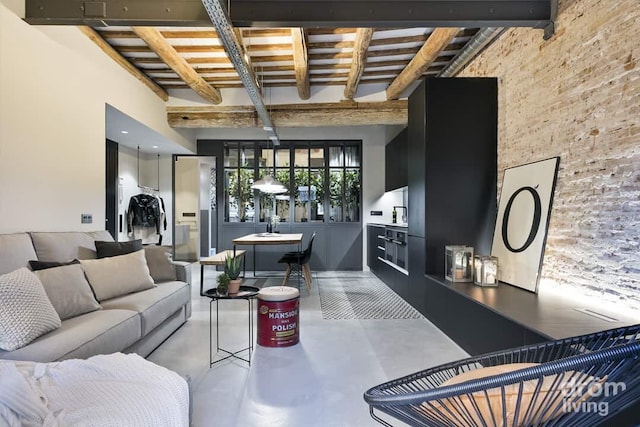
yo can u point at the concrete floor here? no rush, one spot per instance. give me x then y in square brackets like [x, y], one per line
[318, 382]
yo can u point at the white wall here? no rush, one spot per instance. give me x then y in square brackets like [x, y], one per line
[54, 84]
[128, 174]
[374, 139]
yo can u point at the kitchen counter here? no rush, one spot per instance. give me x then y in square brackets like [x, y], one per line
[389, 224]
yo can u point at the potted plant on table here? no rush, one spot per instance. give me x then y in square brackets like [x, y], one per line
[223, 284]
[232, 266]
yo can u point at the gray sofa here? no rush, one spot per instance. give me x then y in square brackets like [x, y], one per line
[137, 322]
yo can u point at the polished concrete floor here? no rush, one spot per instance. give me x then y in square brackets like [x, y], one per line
[318, 382]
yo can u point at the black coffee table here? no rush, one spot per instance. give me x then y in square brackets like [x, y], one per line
[247, 293]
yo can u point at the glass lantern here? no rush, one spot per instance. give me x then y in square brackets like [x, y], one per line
[485, 270]
[458, 263]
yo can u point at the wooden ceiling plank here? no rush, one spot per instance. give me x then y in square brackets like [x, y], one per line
[330, 31]
[301, 61]
[358, 61]
[123, 62]
[168, 54]
[193, 34]
[266, 32]
[292, 115]
[437, 41]
[343, 44]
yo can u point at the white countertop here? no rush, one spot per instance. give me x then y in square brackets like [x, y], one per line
[389, 224]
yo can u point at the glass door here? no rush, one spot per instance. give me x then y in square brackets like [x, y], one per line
[195, 215]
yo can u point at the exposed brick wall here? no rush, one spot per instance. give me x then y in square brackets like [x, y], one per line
[577, 96]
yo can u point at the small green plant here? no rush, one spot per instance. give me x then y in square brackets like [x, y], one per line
[232, 267]
[223, 283]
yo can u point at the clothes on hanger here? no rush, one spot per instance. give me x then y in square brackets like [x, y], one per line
[146, 218]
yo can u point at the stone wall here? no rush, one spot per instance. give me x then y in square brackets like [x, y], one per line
[577, 96]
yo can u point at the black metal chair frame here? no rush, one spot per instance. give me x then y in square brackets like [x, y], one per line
[609, 357]
[296, 261]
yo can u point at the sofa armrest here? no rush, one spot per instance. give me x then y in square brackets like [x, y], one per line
[183, 271]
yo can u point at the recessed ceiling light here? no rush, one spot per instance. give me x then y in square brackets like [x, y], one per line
[154, 146]
[124, 131]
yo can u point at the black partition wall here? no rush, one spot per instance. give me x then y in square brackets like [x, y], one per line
[338, 243]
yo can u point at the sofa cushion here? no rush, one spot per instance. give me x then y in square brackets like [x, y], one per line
[15, 251]
[26, 312]
[64, 246]
[43, 265]
[119, 275]
[68, 290]
[160, 266]
[154, 305]
[106, 249]
[98, 332]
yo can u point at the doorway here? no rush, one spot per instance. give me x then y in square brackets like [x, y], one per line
[195, 207]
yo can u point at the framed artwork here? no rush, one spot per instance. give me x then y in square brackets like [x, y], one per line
[523, 220]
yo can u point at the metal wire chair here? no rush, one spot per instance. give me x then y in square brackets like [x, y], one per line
[577, 381]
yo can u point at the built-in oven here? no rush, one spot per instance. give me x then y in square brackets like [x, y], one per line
[396, 250]
[401, 249]
[389, 246]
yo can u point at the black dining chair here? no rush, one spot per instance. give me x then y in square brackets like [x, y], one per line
[298, 262]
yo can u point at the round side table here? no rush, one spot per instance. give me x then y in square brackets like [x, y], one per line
[247, 293]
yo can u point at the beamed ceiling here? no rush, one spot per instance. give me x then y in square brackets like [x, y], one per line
[367, 69]
[302, 60]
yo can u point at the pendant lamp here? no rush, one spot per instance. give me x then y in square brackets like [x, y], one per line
[268, 184]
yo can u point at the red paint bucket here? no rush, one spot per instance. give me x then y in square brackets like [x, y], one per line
[278, 316]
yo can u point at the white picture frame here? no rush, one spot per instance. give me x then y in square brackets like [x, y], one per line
[520, 235]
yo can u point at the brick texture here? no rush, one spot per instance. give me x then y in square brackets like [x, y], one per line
[577, 96]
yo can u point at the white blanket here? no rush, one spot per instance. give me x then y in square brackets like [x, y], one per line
[106, 390]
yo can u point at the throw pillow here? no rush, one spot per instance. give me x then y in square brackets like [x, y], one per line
[106, 249]
[489, 403]
[68, 290]
[119, 275]
[42, 265]
[26, 311]
[160, 266]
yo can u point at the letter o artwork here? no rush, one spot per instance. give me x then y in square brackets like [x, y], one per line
[535, 224]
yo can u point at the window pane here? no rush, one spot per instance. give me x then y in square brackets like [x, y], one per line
[301, 158]
[247, 156]
[266, 157]
[231, 155]
[335, 156]
[317, 157]
[283, 201]
[316, 180]
[282, 157]
[335, 195]
[352, 155]
[267, 201]
[302, 197]
[230, 205]
[240, 194]
[352, 195]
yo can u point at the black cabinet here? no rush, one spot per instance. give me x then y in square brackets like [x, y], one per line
[452, 165]
[475, 326]
[375, 247]
[395, 162]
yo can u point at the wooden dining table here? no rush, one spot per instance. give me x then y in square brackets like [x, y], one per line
[256, 239]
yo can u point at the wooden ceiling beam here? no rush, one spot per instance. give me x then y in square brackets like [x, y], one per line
[292, 115]
[301, 61]
[168, 54]
[123, 62]
[358, 61]
[437, 41]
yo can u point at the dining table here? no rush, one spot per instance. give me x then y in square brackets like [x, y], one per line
[256, 239]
